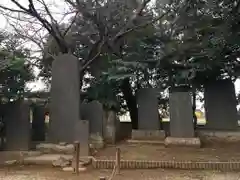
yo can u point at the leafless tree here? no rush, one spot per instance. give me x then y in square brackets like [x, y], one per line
[102, 25]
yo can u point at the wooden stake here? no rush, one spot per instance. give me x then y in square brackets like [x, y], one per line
[102, 178]
[118, 161]
[76, 157]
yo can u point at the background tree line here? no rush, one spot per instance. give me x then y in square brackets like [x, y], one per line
[123, 46]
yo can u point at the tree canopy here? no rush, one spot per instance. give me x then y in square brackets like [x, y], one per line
[126, 45]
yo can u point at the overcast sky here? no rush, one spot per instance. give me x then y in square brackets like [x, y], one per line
[57, 7]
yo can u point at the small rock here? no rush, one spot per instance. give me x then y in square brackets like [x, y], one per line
[97, 141]
[61, 162]
[85, 160]
[11, 162]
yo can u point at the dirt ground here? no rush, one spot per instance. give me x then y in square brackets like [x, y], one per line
[36, 173]
[218, 152]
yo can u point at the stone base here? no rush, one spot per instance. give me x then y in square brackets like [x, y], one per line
[219, 136]
[148, 135]
[151, 142]
[49, 148]
[182, 142]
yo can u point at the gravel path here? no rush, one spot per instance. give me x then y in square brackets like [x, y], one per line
[34, 173]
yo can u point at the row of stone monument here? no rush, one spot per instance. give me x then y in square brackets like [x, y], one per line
[70, 120]
[94, 124]
[220, 108]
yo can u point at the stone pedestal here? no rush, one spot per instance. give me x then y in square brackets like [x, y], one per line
[38, 123]
[156, 135]
[181, 114]
[148, 115]
[220, 105]
[65, 99]
[18, 127]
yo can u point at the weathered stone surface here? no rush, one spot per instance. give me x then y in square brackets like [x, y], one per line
[219, 136]
[96, 141]
[18, 127]
[148, 135]
[93, 112]
[181, 114]
[62, 143]
[148, 115]
[38, 123]
[65, 99]
[11, 162]
[62, 162]
[82, 136]
[55, 148]
[71, 169]
[220, 105]
[111, 127]
[45, 159]
[185, 142]
[30, 153]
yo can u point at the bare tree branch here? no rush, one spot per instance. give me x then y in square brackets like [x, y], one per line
[47, 11]
[70, 26]
[135, 15]
[20, 6]
[99, 51]
[120, 35]
[13, 10]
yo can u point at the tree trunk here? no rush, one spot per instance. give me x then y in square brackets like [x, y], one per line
[131, 102]
[194, 108]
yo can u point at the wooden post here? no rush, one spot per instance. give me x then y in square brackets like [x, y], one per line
[102, 178]
[118, 161]
[75, 163]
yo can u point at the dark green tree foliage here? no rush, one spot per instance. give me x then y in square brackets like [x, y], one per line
[16, 72]
[171, 43]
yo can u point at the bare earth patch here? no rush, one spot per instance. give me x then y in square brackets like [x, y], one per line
[223, 152]
[36, 173]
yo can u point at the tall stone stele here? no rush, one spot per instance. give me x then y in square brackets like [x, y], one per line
[18, 136]
[148, 115]
[181, 118]
[65, 99]
[181, 112]
[221, 105]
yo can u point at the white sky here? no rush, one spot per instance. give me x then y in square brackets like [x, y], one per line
[58, 7]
